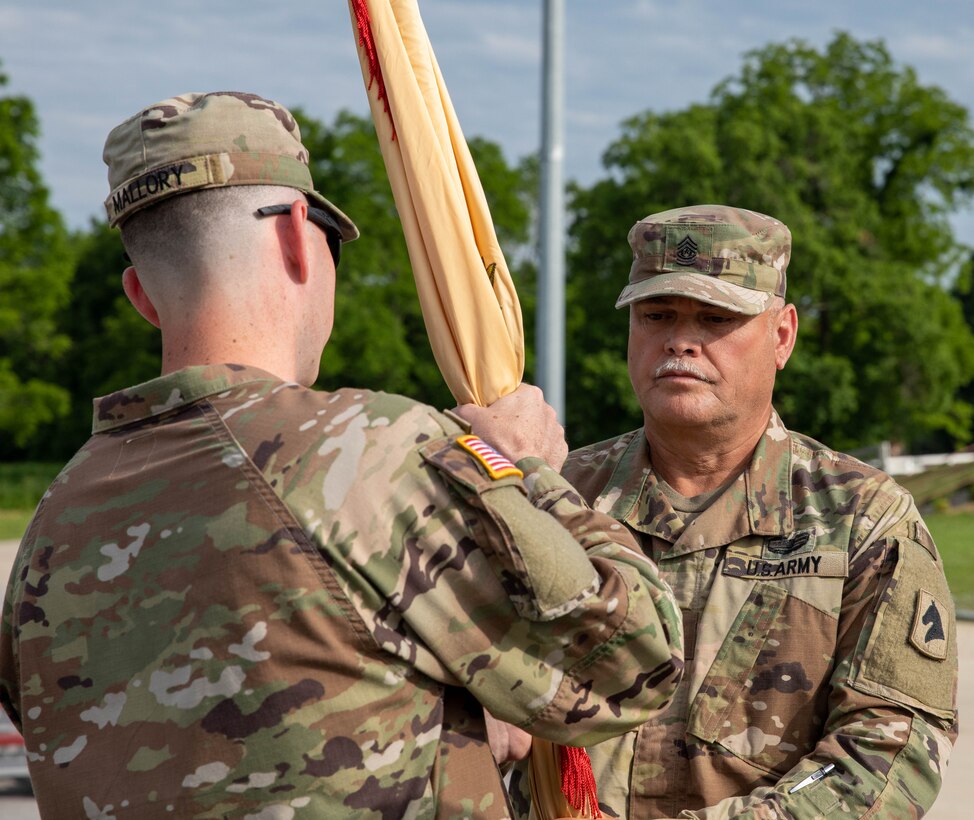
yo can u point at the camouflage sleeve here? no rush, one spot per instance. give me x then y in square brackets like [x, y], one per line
[506, 584]
[9, 671]
[892, 704]
[9, 689]
[577, 638]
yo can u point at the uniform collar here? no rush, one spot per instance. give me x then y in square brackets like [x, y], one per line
[758, 503]
[170, 392]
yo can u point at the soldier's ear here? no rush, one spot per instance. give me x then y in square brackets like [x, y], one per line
[297, 244]
[786, 334]
[138, 297]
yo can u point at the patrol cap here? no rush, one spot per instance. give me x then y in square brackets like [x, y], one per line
[729, 257]
[197, 141]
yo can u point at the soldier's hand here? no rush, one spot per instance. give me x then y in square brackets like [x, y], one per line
[507, 742]
[520, 424]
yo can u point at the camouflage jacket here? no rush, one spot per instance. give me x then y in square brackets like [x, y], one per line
[818, 629]
[244, 598]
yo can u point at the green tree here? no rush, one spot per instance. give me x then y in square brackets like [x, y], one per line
[963, 291]
[865, 165]
[380, 339]
[112, 345]
[35, 268]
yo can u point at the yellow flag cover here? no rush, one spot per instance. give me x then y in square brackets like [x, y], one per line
[469, 303]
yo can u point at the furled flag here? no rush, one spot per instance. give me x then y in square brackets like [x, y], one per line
[469, 303]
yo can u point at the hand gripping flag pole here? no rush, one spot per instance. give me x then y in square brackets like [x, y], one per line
[469, 303]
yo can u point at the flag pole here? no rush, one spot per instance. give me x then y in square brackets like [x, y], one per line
[550, 336]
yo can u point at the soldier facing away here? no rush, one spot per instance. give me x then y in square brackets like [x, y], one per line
[243, 597]
[821, 657]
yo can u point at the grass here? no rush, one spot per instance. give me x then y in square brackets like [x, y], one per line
[13, 523]
[954, 534]
[22, 484]
[952, 527]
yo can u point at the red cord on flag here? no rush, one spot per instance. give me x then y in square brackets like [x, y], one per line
[578, 781]
[367, 41]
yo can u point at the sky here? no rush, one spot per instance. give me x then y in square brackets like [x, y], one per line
[89, 64]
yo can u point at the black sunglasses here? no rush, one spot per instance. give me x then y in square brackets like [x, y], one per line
[321, 218]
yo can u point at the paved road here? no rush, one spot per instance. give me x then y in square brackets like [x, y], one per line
[16, 803]
[956, 801]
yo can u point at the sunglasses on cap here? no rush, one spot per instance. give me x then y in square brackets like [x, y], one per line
[321, 218]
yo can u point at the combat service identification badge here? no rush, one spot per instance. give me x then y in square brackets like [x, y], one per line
[929, 633]
[496, 465]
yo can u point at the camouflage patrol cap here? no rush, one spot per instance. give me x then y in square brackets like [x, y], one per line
[198, 141]
[729, 257]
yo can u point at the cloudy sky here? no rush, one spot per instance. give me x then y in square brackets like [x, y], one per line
[88, 64]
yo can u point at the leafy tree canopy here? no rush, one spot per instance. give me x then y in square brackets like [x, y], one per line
[380, 339]
[35, 269]
[865, 165]
[862, 162]
[112, 345]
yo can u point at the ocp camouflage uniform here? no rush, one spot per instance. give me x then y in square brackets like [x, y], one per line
[818, 629]
[244, 598]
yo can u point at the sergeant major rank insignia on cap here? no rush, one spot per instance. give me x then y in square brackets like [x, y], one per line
[496, 465]
[686, 252]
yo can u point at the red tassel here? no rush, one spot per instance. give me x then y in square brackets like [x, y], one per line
[367, 41]
[578, 781]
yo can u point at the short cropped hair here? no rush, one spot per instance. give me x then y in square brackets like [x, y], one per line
[186, 232]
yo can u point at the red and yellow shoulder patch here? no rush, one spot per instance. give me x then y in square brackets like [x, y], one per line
[496, 465]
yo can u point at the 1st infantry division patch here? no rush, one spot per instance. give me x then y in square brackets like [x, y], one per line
[929, 634]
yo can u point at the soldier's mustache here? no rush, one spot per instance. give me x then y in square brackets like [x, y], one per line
[682, 366]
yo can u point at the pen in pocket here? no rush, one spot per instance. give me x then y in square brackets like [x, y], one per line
[818, 774]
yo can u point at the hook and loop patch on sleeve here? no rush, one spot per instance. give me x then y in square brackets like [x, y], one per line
[496, 465]
[910, 654]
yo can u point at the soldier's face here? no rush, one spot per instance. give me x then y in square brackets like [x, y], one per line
[694, 365]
